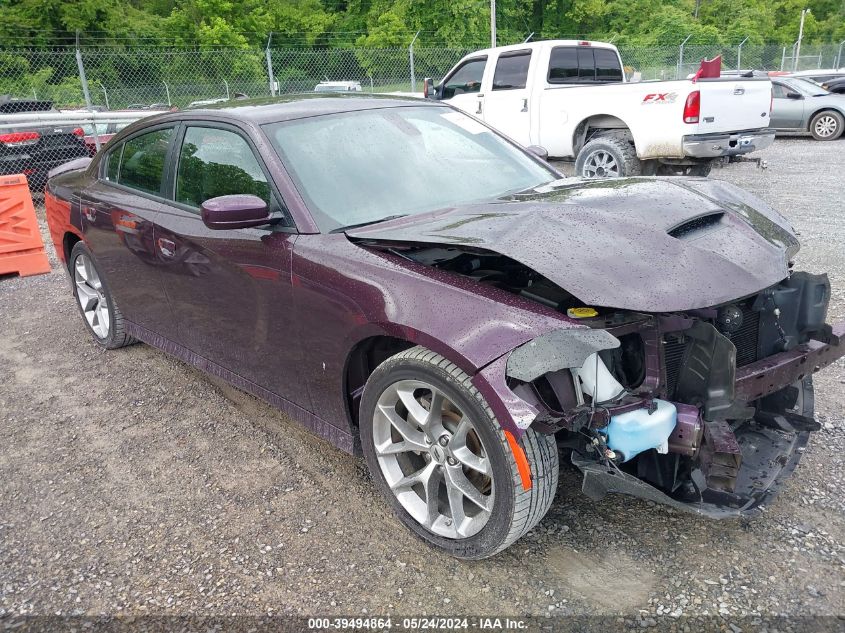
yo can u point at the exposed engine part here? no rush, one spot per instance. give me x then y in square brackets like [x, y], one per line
[721, 456]
[729, 319]
[686, 437]
[597, 381]
[631, 433]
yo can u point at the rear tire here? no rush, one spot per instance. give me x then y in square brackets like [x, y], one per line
[609, 156]
[498, 510]
[827, 125]
[96, 304]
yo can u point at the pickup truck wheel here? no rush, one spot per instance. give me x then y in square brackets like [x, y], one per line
[99, 311]
[611, 156]
[827, 125]
[440, 457]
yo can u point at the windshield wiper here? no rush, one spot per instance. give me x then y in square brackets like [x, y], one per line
[341, 229]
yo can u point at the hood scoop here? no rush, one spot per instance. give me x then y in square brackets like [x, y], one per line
[696, 226]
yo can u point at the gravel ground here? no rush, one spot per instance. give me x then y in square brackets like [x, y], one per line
[132, 484]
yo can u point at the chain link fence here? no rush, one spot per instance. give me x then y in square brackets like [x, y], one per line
[118, 79]
[62, 104]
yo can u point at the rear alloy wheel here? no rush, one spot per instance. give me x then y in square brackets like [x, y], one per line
[95, 301]
[827, 126]
[440, 457]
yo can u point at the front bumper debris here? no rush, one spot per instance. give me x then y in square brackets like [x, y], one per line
[741, 465]
[768, 458]
[716, 145]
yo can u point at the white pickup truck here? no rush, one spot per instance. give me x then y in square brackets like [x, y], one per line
[572, 98]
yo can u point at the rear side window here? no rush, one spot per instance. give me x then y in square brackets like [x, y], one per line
[466, 79]
[142, 164]
[571, 64]
[113, 164]
[511, 71]
[607, 65]
[215, 162]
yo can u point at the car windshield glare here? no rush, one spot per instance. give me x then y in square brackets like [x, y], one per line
[360, 167]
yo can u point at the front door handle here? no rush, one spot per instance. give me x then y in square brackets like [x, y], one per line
[524, 105]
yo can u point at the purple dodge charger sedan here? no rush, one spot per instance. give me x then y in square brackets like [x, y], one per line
[416, 288]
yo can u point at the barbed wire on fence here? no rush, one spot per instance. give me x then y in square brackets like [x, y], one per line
[116, 78]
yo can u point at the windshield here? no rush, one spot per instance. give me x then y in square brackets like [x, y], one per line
[360, 167]
[806, 87]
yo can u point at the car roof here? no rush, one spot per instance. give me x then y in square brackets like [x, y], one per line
[300, 106]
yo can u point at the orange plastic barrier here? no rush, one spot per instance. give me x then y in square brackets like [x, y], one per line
[21, 246]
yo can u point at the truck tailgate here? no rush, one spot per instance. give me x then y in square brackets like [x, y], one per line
[731, 105]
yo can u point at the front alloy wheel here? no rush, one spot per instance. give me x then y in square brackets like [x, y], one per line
[433, 460]
[452, 474]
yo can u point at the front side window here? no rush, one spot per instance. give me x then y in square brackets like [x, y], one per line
[466, 79]
[511, 71]
[778, 91]
[215, 162]
[360, 167]
[142, 163]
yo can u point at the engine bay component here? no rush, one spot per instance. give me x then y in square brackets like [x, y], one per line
[631, 433]
[597, 381]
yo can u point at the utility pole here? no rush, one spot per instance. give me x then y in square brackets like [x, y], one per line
[800, 36]
[492, 23]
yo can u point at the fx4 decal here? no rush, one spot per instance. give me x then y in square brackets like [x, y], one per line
[657, 97]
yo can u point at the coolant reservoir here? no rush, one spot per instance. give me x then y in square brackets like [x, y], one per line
[597, 381]
[636, 431]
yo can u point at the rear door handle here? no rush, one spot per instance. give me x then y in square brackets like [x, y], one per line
[524, 105]
[479, 106]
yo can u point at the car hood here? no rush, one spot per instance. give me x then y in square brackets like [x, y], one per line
[645, 244]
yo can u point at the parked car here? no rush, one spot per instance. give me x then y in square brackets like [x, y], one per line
[100, 132]
[31, 146]
[571, 97]
[411, 285]
[207, 102]
[819, 75]
[801, 106]
[338, 86]
[836, 86]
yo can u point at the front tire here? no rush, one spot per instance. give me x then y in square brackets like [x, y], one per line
[827, 125]
[446, 466]
[609, 156]
[96, 304]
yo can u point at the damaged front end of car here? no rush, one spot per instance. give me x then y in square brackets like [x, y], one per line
[681, 371]
[707, 411]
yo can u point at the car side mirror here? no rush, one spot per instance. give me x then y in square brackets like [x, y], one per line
[429, 91]
[793, 95]
[539, 151]
[238, 211]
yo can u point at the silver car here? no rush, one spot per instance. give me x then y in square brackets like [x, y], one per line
[801, 106]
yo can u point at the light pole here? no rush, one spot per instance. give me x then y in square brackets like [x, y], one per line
[800, 36]
[492, 23]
